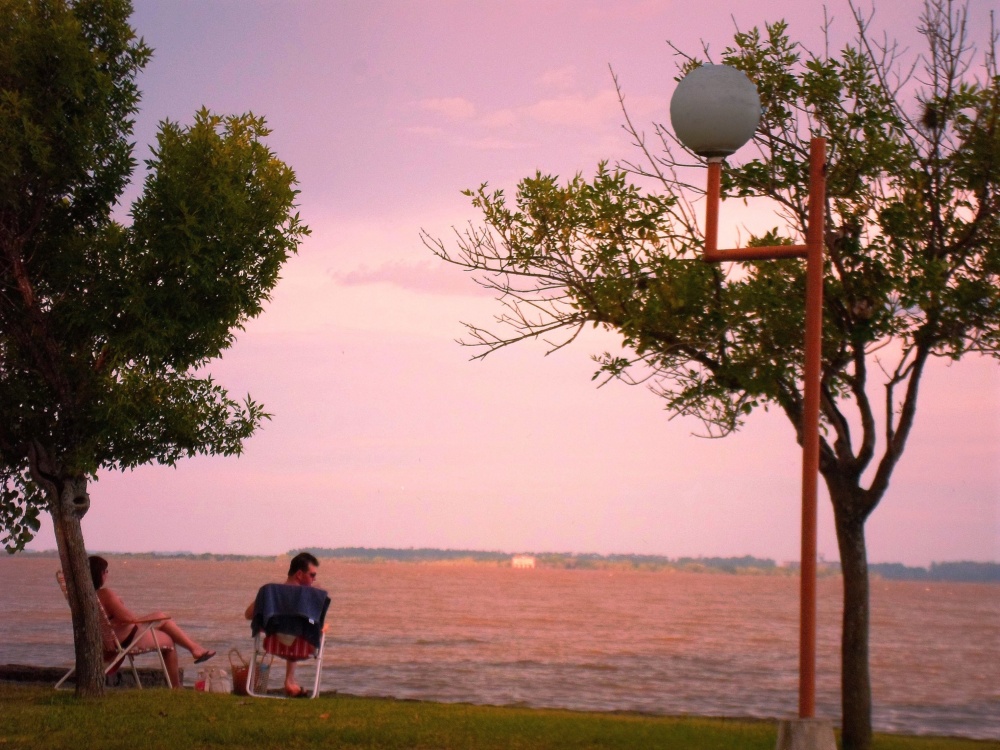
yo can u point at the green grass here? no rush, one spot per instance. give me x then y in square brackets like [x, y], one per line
[41, 719]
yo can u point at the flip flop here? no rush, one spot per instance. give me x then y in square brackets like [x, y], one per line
[300, 693]
[204, 657]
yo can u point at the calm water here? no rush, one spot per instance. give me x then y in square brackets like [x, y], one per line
[665, 643]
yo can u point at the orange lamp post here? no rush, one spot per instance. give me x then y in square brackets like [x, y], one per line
[715, 110]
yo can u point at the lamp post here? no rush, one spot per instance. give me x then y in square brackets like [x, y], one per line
[715, 110]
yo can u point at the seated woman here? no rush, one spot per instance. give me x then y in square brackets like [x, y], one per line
[123, 621]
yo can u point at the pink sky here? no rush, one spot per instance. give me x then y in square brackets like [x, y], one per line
[384, 433]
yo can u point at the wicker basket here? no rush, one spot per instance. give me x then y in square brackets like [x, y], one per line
[241, 670]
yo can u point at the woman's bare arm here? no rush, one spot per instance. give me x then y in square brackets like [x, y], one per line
[115, 607]
[118, 612]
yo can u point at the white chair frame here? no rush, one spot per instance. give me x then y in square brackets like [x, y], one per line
[259, 653]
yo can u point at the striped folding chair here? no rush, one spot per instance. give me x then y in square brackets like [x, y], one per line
[288, 623]
[117, 651]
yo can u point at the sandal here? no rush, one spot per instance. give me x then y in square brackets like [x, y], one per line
[300, 693]
[204, 657]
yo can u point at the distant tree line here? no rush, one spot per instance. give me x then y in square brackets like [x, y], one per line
[732, 565]
[961, 572]
[566, 560]
[955, 572]
[423, 554]
[206, 556]
[964, 572]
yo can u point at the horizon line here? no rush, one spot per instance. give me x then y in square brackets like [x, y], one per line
[791, 561]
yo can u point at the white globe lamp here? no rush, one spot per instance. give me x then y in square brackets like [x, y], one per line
[715, 110]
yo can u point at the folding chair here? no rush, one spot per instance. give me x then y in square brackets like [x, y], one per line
[288, 623]
[116, 651]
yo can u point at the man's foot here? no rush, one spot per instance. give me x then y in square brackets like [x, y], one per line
[296, 692]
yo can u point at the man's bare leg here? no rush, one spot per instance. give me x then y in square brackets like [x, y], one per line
[291, 687]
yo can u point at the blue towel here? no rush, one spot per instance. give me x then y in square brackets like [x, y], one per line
[291, 610]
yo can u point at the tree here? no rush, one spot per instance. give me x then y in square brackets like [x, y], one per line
[105, 328]
[912, 262]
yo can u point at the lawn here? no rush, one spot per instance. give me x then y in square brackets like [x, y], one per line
[40, 718]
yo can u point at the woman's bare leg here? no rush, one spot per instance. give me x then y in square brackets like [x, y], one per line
[165, 644]
[175, 632]
[170, 659]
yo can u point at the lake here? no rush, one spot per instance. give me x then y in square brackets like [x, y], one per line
[624, 640]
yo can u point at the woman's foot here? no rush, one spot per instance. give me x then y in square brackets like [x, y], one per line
[294, 691]
[204, 656]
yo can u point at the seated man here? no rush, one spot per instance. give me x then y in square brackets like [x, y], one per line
[291, 617]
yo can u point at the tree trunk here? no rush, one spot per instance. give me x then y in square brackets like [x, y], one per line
[68, 502]
[855, 685]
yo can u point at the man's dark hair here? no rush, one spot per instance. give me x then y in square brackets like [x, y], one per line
[301, 562]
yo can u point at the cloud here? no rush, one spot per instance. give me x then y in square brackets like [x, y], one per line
[559, 78]
[580, 111]
[427, 278]
[453, 108]
[571, 110]
[501, 119]
[497, 144]
[423, 130]
[575, 111]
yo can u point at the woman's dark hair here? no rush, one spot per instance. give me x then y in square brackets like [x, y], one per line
[301, 563]
[98, 565]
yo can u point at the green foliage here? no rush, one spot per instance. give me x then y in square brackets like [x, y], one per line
[20, 506]
[104, 327]
[68, 91]
[912, 240]
[210, 233]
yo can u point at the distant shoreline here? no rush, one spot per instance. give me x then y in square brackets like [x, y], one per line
[944, 572]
